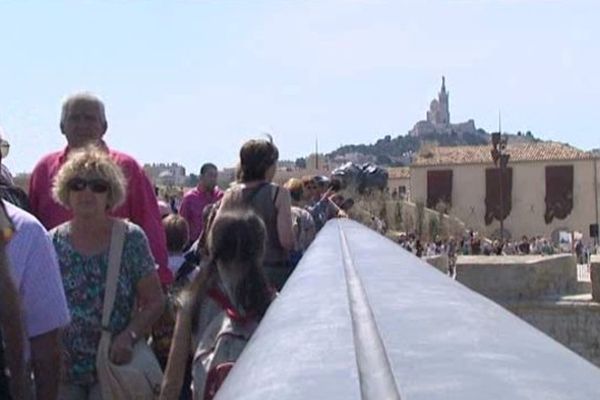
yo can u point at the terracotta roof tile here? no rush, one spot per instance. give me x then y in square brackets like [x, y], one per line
[541, 151]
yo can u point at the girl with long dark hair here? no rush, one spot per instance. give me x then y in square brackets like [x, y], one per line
[222, 307]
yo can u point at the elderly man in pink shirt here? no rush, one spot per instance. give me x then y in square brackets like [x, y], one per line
[194, 201]
[83, 122]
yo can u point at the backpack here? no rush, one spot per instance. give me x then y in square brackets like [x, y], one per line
[219, 347]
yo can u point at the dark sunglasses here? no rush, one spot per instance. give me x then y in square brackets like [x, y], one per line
[95, 185]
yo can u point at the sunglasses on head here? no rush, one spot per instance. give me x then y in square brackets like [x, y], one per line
[95, 185]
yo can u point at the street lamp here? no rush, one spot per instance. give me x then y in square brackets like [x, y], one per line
[501, 158]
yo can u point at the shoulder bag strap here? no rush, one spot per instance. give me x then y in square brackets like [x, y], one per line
[114, 265]
[108, 381]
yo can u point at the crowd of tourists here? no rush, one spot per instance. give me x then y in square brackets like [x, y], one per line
[108, 293]
[472, 243]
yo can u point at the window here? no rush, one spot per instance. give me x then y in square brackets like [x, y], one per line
[439, 188]
[496, 206]
[559, 192]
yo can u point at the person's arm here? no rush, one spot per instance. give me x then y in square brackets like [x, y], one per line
[283, 203]
[143, 211]
[178, 356]
[46, 362]
[44, 306]
[151, 304]
[12, 329]
[334, 211]
[185, 210]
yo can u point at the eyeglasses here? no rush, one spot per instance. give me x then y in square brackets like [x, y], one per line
[95, 185]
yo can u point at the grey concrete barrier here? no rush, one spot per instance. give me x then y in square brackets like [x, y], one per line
[361, 318]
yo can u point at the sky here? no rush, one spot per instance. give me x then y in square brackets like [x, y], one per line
[190, 81]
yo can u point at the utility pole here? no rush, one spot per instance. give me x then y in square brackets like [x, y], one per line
[596, 197]
[500, 158]
[317, 153]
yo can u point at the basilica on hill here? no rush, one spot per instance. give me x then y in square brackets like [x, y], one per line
[438, 118]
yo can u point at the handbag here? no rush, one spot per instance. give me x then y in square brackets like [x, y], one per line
[142, 376]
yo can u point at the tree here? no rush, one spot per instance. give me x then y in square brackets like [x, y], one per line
[434, 227]
[398, 215]
[382, 159]
[300, 163]
[442, 209]
[383, 211]
[420, 218]
[192, 180]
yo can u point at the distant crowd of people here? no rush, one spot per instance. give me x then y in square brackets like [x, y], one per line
[102, 273]
[472, 243]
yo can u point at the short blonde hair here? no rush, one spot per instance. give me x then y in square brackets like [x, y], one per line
[296, 188]
[90, 162]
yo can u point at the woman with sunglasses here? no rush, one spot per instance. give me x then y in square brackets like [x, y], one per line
[90, 185]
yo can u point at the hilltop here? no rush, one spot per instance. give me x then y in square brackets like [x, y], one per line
[398, 151]
[436, 129]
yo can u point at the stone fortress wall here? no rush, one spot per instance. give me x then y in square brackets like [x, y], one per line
[543, 291]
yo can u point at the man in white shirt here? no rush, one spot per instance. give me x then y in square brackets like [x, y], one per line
[35, 271]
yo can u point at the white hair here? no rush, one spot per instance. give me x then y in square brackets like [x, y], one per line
[85, 97]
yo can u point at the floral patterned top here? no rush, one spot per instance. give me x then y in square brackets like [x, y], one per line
[84, 280]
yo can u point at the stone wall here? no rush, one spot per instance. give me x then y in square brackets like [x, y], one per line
[575, 323]
[595, 277]
[439, 262]
[503, 278]
[541, 290]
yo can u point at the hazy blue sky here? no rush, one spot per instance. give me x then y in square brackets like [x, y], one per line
[189, 81]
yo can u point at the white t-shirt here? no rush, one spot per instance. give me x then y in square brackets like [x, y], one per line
[175, 262]
[34, 268]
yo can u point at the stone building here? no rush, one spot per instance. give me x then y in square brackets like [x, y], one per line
[548, 187]
[166, 174]
[399, 181]
[438, 118]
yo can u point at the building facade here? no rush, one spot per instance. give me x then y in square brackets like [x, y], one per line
[166, 174]
[547, 187]
[399, 181]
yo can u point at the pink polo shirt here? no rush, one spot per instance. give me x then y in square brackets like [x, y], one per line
[193, 205]
[140, 206]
